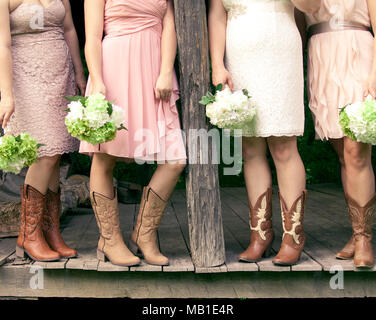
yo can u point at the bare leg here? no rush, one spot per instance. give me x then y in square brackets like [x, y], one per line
[256, 168]
[338, 146]
[41, 172]
[165, 178]
[55, 178]
[360, 178]
[290, 168]
[101, 174]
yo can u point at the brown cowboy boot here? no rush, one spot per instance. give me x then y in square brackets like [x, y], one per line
[31, 241]
[144, 236]
[349, 249]
[51, 227]
[362, 220]
[262, 234]
[294, 238]
[111, 245]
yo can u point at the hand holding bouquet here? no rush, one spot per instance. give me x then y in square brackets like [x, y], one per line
[229, 110]
[358, 121]
[93, 118]
[17, 152]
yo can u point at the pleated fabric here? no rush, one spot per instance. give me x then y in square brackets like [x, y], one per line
[339, 64]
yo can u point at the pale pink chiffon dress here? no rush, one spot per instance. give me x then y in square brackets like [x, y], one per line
[339, 64]
[131, 53]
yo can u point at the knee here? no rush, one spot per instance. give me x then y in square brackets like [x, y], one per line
[177, 168]
[251, 152]
[356, 158]
[49, 162]
[282, 150]
[104, 162]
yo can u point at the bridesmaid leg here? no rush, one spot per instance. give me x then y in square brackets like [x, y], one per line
[256, 168]
[101, 174]
[360, 178]
[39, 174]
[104, 201]
[31, 240]
[338, 146]
[292, 195]
[290, 167]
[153, 204]
[258, 181]
[361, 199]
[165, 178]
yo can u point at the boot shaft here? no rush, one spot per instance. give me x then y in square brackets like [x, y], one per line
[33, 208]
[51, 218]
[107, 215]
[361, 217]
[261, 217]
[152, 207]
[292, 221]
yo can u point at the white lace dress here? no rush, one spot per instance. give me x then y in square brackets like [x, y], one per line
[264, 55]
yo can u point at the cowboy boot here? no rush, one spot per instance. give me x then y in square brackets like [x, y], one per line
[144, 236]
[262, 234]
[362, 220]
[51, 227]
[111, 245]
[349, 249]
[294, 238]
[31, 241]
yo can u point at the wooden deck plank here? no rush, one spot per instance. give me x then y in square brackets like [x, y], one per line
[172, 244]
[7, 248]
[86, 244]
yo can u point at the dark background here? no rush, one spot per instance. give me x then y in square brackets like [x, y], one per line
[320, 160]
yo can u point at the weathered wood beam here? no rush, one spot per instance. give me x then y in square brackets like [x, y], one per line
[202, 183]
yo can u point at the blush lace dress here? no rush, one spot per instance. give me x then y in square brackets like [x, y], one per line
[264, 55]
[43, 74]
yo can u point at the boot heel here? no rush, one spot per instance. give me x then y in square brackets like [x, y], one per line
[134, 248]
[101, 256]
[20, 252]
[268, 252]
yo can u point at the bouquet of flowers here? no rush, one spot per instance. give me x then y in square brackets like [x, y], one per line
[358, 121]
[229, 110]
[17, 152]
[93, 118]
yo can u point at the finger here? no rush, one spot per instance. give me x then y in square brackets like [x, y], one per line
[230, 83]
[372, 92]
[5, 121]
[157, 93]
[366, 93]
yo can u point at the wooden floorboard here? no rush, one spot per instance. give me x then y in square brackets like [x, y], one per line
[326, 224]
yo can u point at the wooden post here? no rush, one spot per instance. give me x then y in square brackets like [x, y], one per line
[203, 196]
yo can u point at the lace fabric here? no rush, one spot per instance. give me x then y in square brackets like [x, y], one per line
[43, 74]
[267, 60]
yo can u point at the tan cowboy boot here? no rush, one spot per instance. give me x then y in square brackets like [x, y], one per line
[111, 245]
[262, 234]
[51, 226]
[294, 238]
[144, 236]
[362, 220]
[349, 249]
[31, 241]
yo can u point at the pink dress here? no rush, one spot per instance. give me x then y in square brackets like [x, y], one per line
[339, 64]
[131, 53]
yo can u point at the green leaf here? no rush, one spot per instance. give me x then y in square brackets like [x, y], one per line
[219, 87]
